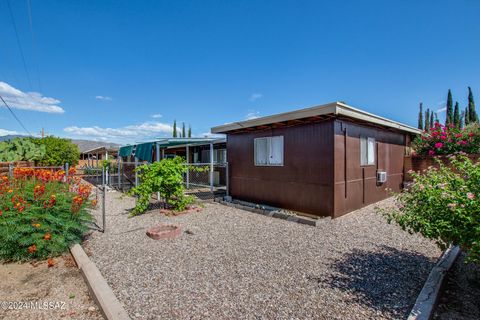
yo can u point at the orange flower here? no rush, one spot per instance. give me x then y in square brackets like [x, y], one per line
[36, 225]
[47, 236]
[32, 248]
[50, 262]
[10, 191]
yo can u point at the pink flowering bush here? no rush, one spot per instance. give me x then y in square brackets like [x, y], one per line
[443, 140]
[444, 205]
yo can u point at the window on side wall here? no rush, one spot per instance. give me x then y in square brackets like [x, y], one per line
[367, 151]
[268, 151]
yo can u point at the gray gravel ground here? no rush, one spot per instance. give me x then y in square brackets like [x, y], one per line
[242, 265]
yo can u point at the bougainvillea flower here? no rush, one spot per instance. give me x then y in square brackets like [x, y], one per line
[438, 145]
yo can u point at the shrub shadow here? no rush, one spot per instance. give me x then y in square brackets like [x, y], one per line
[387, 280]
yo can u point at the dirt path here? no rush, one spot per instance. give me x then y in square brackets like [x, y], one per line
[37, 292]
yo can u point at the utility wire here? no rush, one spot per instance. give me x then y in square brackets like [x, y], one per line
[19, 44]
[34, 44]
[15, 116]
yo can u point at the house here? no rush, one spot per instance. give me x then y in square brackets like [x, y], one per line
[325, 160]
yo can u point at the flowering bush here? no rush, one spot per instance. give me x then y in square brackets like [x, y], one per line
[442, 140]
[443, 204]
[41, 214]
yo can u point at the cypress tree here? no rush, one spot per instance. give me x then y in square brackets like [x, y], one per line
[431, 119]
[183, 130]
[189, 131]
[427, 120]
[456, 115]
[420, 117]
[466, 118]
[449, 117]
[473, 117]
[436, 118]
[174, 128]
[462, 120]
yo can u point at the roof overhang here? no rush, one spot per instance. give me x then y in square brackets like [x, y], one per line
[101, 149]
[335, 109]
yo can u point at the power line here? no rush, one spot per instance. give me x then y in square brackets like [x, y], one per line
[19, 44]
[34, 43]
[15, 116]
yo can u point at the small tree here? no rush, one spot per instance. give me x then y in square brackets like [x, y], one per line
[189, 131]
[431, 119]
[183, 130]
[165, 177]
[420, 117]
[174, 134]
[472, 113]
[456, 115]
[443, 205]
[427, 119]
[449, 117]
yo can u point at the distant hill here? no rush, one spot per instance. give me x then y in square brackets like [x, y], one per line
[83, 145]
[11, 136]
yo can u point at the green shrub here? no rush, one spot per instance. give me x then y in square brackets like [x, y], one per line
[165, 177]
[42, 217]
[443, 205]
[58, 151]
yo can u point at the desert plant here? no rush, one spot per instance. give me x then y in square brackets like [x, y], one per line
[443, 205]
[165, 177]
[21, 149]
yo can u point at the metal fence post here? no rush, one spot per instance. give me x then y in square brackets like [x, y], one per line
[226, 179]
[118, 171]
[103, 200]
[188, 167]
[136, 173]
[157, 153]
[67, 167]
[211, 167]
[10, 170]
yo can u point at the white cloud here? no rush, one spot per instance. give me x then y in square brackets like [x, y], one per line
[33, 101]
[255, 96]
[156, 116]
[130, 133]
[4, 132]
[441, 110]
[104, 98]
[252, 114]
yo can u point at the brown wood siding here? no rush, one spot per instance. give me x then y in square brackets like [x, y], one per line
[356, 185]
[304, 183]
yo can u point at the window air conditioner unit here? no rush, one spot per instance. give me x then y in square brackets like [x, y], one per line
[381, 176]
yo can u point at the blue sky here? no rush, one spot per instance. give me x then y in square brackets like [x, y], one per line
[124, 70]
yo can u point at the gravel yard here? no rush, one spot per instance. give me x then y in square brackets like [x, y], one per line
[61, 287]
[233, 264]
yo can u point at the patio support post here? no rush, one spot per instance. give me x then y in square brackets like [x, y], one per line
[226, 180]
[97, 159]
[163, 153]
[211, 166]
[188, 166]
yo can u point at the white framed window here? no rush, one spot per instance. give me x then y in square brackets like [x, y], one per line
[268, 151]
[367, 151]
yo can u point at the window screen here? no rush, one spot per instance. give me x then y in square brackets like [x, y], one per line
[269, 151]
[367, 151]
